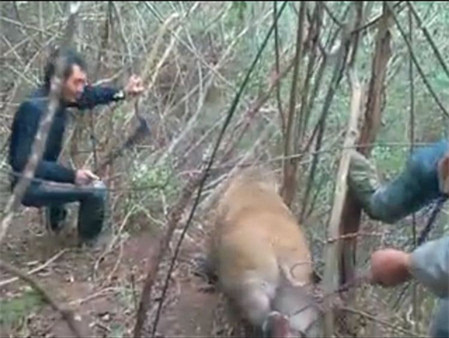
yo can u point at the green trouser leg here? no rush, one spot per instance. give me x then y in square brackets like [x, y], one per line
[414, 188]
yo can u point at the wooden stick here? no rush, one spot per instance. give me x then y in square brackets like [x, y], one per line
[333, 249]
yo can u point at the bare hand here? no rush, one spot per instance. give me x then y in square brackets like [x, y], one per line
[84, 177]
[134, 86]
[390, 267]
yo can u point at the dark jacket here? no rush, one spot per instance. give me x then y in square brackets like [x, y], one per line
[26, 124]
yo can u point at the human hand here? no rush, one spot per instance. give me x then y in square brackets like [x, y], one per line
[390, 267]
[84, 177]
[134, 86]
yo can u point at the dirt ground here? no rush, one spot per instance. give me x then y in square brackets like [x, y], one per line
[103, 294]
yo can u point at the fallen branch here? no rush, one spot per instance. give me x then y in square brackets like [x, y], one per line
[66, 314]
[39, 268]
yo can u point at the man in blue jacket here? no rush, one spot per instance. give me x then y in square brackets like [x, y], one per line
[424, 179]
[54, 184]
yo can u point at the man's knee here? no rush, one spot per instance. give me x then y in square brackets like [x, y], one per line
[32, 198]
[99, 191]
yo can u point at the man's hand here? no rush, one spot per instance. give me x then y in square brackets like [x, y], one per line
[84, 177]
[134, 86]
[390, 267]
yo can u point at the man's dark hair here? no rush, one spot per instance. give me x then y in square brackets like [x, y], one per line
[70, 56]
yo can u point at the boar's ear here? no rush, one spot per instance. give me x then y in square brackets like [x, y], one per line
[443, 174]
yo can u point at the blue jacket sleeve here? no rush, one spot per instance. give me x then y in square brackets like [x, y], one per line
[97, 95]
[430, 265]
[26, 124]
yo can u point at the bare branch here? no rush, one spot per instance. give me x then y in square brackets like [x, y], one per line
[415, 61]
[288, 184]
[278, 87]
[331, 15]
[428, 37]
[412, 140]
[321, 125]
[333, 249]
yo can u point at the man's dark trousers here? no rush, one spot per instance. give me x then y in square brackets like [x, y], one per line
[54, 196]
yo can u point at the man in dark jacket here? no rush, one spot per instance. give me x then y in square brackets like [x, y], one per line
[54, 184]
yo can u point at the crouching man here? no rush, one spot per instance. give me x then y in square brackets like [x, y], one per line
[54, 184]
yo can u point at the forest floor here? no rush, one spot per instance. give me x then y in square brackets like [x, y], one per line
[104, 295]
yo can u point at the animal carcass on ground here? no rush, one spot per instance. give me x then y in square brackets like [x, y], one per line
[261, 258]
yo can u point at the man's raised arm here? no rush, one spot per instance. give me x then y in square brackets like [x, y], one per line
[97, 95]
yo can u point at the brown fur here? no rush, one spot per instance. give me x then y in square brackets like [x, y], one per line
[260, 254]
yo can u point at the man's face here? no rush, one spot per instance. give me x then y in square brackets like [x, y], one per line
[74, 85]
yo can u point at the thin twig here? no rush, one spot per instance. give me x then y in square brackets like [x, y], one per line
[114, 240]
[81, 301]
[394, 327]
[37, 269]
[354, 235]
[331, 15]
[412, 140]
[428, 37]
[66, 314]
[415, 61]
[278, 87]
[313, 36]
[375, 20]
[260, 101]
[335, 81]
[289, 177]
